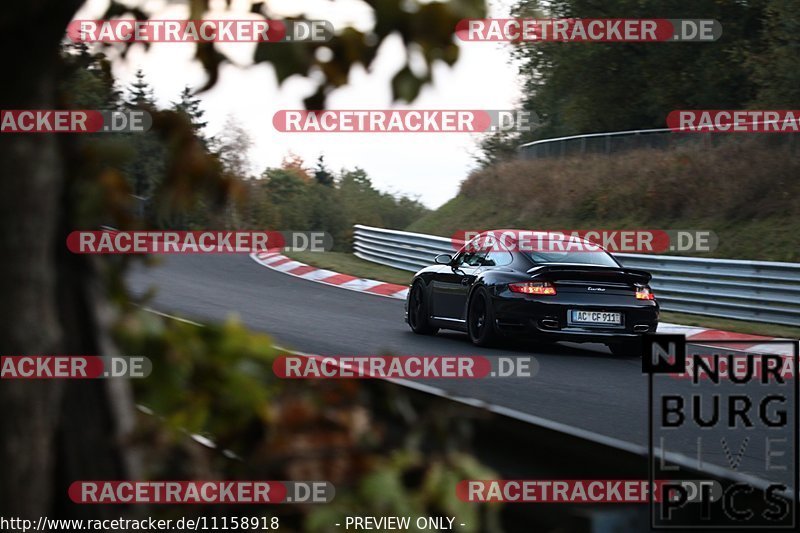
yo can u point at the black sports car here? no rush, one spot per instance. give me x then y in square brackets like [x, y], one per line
[488, 291]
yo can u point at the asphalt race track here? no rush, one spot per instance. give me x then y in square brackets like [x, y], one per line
[582, 386]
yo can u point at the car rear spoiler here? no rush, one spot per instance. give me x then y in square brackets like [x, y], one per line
[595, 273]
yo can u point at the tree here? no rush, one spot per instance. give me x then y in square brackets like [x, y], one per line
[496, 147]
[288, 195]
[361, 201]
[594, 87]
[232, 145]
[87, 80]
[47, 300]
[189, 106]
[145, 169]
[296, 165]
[140, 93]
[776, 69]
[322, 174]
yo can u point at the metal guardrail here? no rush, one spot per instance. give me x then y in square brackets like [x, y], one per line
[760, 291]
[620, 141]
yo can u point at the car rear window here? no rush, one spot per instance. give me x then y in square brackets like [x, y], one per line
[584, 258]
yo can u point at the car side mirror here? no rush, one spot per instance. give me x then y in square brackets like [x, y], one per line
[443, 259]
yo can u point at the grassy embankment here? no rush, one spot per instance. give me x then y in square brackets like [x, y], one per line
[747, 194]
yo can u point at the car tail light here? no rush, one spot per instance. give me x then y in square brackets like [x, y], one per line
[643, 292]
[533, 287]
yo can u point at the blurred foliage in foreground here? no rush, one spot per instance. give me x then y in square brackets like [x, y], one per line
[387, 452]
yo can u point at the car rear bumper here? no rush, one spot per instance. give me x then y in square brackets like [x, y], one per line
[550, 320]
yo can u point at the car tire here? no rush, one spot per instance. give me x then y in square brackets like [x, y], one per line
[626, 348]
[480, 319]
[418, 311]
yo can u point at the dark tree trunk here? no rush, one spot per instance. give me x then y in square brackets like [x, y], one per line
[51, 432]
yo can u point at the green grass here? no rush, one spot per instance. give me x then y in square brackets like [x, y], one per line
[350, 264]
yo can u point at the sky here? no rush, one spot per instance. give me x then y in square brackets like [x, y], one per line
[426, 166]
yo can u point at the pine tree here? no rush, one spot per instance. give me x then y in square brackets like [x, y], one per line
[140, 94]
[322, 174]
[189, 105]
[88, 80]
[144, 172]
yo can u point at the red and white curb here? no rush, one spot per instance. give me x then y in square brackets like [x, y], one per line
[744, 341]
[281, 263]
[695, 334]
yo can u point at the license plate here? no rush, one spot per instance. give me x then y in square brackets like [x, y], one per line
[596, 317]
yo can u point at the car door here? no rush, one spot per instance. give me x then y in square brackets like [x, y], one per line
[451, 285]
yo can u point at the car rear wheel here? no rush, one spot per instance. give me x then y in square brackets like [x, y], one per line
[418, 311]
[480, 319]
[628, 348]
